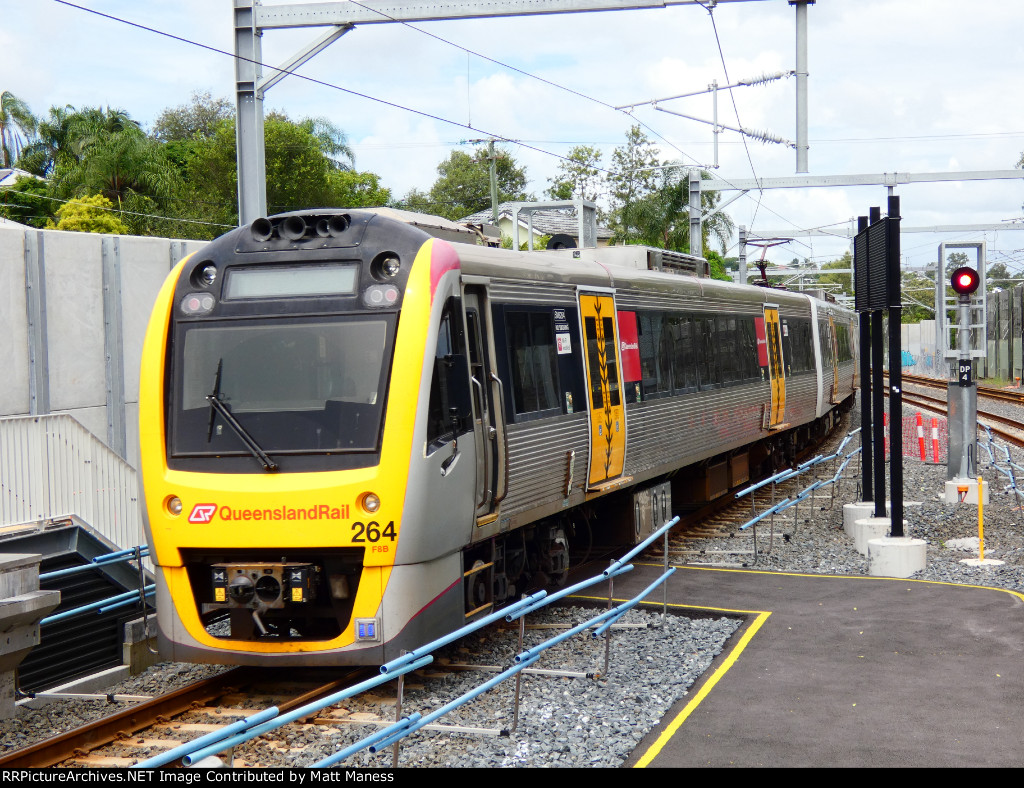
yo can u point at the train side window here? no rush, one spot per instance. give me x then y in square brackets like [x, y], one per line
[684, 348]
[448, 411]
[655, 364]
[826, 344]
[728, 349]
[800, 347]
[843, 342]
[707, 356]
[534, 362]
[747, 352]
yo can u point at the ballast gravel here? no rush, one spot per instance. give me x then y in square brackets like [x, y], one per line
[577, 722]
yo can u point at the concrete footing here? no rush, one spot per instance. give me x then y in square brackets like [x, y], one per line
[982, 562]
[896, 556]
[968, 489]
[22, 607]
[852, 512]
[868, 528]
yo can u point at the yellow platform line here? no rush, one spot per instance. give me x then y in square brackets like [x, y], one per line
[670, 731]
[762, 616]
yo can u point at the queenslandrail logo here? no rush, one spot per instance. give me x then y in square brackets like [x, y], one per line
[624, 346]
[206, 512]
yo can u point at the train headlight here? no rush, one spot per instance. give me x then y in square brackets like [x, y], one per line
[173, 505]
[385, 266]
[207, 274]
[370, 503]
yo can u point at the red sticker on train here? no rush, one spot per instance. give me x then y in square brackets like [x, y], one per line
[629, 346]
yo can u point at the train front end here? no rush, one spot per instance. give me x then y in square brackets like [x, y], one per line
[279, 403]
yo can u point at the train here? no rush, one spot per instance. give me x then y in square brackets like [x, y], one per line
[357, 436]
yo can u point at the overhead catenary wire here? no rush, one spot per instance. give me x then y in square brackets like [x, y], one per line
[441, 119]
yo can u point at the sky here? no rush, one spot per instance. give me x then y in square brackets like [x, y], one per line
[894, 86]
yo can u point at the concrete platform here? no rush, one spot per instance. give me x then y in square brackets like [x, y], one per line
[846, 671]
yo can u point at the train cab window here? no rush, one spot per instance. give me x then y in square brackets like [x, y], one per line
[448, 412]
[534, 361]
[290, 386]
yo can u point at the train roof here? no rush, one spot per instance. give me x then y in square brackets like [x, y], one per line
[604, 267]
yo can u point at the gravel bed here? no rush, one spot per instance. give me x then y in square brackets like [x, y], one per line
[587, 722]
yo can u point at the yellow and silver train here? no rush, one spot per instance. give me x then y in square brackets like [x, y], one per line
[357, 437]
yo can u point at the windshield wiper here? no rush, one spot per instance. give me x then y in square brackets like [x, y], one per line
[216, 406]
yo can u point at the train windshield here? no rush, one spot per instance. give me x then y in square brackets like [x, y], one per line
[284, 386]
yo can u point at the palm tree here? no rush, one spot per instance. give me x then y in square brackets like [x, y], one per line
[51, 142]
[662, 218]
[17, 125]
[117, 163]
[333, 142]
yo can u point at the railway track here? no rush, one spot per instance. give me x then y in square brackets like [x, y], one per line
[1008, 428]
[127, 737]
[723, 517]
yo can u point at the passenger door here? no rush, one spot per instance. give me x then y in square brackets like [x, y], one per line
[607, 413]
[776, 367]
[488, 405]
[833, 352]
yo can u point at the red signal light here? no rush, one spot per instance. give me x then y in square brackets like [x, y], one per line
[965, 280]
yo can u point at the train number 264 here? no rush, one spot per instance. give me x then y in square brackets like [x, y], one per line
[372, 532]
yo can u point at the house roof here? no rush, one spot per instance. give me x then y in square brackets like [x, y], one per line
[550, 222]
[8, 175]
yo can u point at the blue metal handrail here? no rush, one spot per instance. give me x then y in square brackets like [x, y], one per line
[303, 711]
[615, 565]
[461, 700]
[98, 561]
[126, 596]
[433, 645]
[209, 738]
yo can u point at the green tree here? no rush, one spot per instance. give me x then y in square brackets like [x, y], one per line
[838, 283]
[88, 214]
[463, 185]
[17, 125]
[333, 142]
[117, 164]
[998, 275]
[917, 297]
[717, 265]
[51, 143]
[28, 201]
[662, 218]
[578, 176]
[351, 189]
[198, 118]
[957, 259]
[634, 172]
[305, 163]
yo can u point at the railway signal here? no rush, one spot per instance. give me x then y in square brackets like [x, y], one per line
[964, 281]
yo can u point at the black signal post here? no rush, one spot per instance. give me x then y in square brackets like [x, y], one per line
[876, 256]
